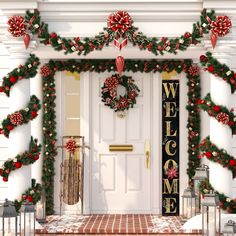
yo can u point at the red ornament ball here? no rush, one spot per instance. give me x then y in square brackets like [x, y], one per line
[211, 68]
[29, 198]
[17, 26]
[232, 162]
[36, 157]
[1, 90]
[5, 179]
[187, 35]
[208, 154]
[34, 114]
[200, 101]
[18, 164]
[10, 127]
[13, 79]
[216, 108]
[203, 58]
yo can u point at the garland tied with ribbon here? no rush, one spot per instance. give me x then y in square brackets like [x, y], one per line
[221, 113]
[109, 92]
[32, 194]
[21, 117]
[214, 67]
[120, 27]
[24, 159]
[28, 70]
[213, 153]
[226, 203]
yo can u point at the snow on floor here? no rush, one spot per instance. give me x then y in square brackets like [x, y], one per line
[196, 221]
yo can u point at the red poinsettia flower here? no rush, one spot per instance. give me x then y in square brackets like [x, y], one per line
[123, 103]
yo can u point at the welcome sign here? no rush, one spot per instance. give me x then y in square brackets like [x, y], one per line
[170, 147]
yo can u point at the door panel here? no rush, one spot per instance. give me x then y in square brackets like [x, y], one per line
[120, 180]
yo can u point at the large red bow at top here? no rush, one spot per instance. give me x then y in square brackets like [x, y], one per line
[119, 22]
[219, 28]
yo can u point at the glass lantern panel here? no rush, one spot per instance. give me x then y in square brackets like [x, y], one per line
[27, 224]
[198, 197]
[210, 221]
[8, 226]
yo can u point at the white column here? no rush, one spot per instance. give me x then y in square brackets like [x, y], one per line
[19, 180]
[36, 124]
[221, 135]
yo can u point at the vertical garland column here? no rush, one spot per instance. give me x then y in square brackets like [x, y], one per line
[220, 135]
[36, 88]
[19, 138]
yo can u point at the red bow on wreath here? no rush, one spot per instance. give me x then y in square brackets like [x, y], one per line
[120, 22]
[219, 28]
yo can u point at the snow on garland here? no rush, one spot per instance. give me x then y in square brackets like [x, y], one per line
[213, 153]
[110, 96]
[24, 159]
[120, 26]
[28, 70]
[21, 117]
[216, 68]
[221, 113]
[226, 203]
[32, 194]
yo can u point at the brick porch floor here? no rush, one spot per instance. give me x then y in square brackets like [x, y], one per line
[107, 224]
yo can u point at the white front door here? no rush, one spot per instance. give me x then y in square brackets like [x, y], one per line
[120, 181]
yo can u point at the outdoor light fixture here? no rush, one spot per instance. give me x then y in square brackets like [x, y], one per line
[8, 219]
[229, 228]
[27, 219]
[211, 214]
[189, 203]
[201, 174]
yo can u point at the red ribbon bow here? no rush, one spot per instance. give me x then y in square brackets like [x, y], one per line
[120, 22]
[219, 28]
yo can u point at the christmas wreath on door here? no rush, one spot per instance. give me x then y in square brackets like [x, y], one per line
[112, 99]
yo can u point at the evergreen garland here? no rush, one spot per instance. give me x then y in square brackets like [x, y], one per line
[28, 70]
[157, 46]
[24, 159]
[21, 117]
[147, 66]
[216, 68]
[213, 153]
[32, 194]
[226, 203]
[221, 113]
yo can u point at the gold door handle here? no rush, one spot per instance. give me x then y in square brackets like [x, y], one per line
[147, 154]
